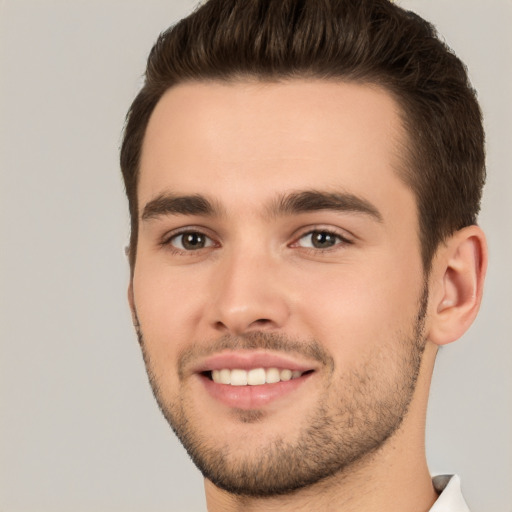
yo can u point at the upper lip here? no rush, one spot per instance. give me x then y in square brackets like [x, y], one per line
[249, 359]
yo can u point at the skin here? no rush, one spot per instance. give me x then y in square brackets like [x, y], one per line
[241, 145]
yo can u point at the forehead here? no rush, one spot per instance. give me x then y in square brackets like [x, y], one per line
[247, 139]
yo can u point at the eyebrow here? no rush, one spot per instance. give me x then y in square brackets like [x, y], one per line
[286, 204]
[171, 204]
[313, 200]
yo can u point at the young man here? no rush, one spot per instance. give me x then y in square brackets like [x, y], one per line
[304, 178]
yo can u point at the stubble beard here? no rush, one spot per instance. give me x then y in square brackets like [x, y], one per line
[349, 424]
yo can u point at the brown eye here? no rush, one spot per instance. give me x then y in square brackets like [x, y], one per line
[190, 241]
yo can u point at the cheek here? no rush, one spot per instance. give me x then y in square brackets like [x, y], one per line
[165, 305]
[359, 308]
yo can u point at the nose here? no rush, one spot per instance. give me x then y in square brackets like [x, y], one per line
[249, 294]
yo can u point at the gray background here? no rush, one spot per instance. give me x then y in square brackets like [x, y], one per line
[79, 429]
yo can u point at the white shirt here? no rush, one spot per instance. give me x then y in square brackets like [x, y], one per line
[450, 498]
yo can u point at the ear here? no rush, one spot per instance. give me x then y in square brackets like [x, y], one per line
[457, 284]
[131, 302]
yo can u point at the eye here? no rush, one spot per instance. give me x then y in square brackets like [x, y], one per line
[320, 239]
[190, 241]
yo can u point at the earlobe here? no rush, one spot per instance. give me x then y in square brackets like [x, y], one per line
[459, 270]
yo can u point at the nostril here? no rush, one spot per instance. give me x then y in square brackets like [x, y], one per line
[261, 324]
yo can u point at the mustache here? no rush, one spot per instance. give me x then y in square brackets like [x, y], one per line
[255, 340]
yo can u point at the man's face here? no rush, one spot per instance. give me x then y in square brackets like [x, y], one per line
[278, 246]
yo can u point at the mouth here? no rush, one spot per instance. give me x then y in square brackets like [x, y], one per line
[253, 377]
[248, 380]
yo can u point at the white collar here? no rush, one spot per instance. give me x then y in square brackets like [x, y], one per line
[450, 498]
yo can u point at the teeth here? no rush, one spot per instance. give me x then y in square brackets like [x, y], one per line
[238, 378]
[286, 374]
[273, 375]
[225, 376]
[254, 377]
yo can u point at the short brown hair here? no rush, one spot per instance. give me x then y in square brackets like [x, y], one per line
[366, 41]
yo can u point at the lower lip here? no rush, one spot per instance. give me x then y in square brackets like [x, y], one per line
[252, 397]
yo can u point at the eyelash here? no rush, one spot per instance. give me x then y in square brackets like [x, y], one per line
[167, 241]
[340, 241]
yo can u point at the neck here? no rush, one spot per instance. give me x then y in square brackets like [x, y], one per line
[395, 478]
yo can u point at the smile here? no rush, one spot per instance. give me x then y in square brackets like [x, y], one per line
[254, 377]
